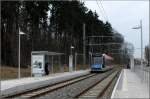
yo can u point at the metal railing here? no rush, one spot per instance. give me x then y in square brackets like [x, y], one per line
[143, 73]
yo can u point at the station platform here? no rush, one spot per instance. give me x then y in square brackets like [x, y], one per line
[129, 85]
[10, 87]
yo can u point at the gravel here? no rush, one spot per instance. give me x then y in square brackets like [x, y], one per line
[72, 90]
[108, 92]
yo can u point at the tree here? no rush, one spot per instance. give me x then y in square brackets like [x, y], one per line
[9, 32]
[56, 32]
[28, 16]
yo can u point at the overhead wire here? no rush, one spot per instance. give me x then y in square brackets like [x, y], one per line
[102, 14]
[104, 11]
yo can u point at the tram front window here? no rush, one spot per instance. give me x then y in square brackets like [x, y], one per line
[97, 60]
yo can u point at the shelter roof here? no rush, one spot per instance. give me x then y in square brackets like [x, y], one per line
[46, 53]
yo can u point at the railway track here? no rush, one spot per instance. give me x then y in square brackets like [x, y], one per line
[40, 91]
[99, 89]
[87, 86]
[70, 92]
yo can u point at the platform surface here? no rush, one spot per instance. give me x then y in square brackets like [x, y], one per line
[16, 85]
[130, 86]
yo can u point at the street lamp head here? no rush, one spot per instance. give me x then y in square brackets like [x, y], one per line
[72, 47]
[21, 33]
[138, 27]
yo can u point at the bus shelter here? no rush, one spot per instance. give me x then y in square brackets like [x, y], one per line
[39, 60]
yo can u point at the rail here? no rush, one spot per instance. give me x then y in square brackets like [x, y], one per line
[47, 89]
[98, 89]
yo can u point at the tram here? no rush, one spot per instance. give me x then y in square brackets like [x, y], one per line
[100, 62]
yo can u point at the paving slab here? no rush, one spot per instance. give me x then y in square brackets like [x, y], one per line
[129, 85]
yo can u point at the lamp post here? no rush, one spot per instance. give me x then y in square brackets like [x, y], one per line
[72, 47]
[149, 50]
[71, 59]
[20, 33]
[140, 27]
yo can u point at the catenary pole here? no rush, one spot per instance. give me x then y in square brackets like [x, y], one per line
[84, 60]
[19, 57]
[141, 45]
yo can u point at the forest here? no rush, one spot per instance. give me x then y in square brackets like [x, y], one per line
[53, 26]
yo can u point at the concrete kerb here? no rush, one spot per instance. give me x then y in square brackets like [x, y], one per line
[116, 85]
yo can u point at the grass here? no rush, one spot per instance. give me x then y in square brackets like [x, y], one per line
[65, 68]
[82, 67]
[8, 72]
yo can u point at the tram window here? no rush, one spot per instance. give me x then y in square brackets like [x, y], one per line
[97, 60]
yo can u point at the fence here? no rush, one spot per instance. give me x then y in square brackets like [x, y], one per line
[57, 63]
[143, 73]
[79, 62]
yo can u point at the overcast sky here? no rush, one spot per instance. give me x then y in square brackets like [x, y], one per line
[123, 15]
